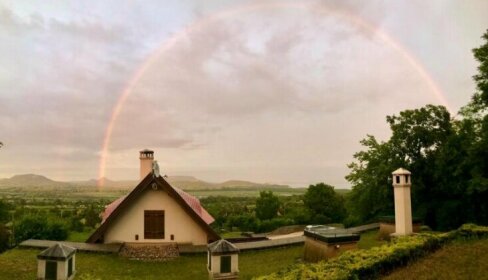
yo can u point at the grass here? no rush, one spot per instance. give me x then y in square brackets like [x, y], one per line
[21, 264]
[79, 236]
[459, 260]
[231, 234]
[370, 239]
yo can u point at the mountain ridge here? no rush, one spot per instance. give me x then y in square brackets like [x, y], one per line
[183, 182]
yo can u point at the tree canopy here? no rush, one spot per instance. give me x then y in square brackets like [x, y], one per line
[267, 205]
[447, 158]
[326, 205]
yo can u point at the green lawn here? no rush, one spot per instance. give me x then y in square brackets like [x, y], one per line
[79, 236]
[370, 239]
[460, 260]
[21, 264]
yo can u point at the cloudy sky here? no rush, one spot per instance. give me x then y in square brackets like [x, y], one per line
[269, 91]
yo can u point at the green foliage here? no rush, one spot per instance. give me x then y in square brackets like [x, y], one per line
[325, 204]
[439, 153]
[92, 216]
[462, 259]
[4, 238]
[481, 78]
[267, 205]
[4, 211]
[368, 264]
[38, 227]
[447, 158]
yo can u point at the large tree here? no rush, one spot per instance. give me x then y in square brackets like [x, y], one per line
[414, 144]
[267, 205]
[326, 205]
[448, 159]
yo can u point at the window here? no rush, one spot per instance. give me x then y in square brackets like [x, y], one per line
[397, 179]
[406, 179]
[225, 264]
[51, 270]
[154, 224]
[70, 267]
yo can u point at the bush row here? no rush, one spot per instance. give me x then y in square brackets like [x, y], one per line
[364, 264]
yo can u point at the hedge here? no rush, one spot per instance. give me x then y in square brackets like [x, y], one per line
[364, 264]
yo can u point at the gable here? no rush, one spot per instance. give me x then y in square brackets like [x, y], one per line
[190, 205]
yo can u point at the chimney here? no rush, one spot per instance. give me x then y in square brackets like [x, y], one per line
[147, 157]
[402, 181]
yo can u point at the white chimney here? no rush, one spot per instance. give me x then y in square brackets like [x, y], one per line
[146, 157]
[402, 181]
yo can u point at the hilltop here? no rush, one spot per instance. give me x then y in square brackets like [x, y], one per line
[183, 182]
[31, 180]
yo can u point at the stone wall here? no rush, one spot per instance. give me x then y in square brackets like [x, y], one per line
[152, 252]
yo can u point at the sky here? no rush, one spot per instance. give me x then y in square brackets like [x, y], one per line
[267, 91]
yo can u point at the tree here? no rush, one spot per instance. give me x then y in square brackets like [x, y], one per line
[92, 216]
[4, 238]
[417, 136]
[481, 78]
[267, 205]
[38, 227]
[4, 212]
[326, 205]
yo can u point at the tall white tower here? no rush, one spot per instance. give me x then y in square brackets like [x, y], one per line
[402, 182]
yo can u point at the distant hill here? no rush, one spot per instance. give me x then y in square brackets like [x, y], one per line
[183, 182]
[30, 180]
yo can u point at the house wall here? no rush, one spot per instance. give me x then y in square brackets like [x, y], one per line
[177, 221]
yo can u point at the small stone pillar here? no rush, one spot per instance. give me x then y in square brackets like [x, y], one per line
[56, 263]
[403, 206]
[222, 261]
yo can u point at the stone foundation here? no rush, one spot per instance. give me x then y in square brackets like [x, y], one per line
[150, 251]
[386, 229]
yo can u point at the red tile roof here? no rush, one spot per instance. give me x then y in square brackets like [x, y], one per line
[190, 204]
[192, 201]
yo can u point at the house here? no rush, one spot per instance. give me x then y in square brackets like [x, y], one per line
[155, 212]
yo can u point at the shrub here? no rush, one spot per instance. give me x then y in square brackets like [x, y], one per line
[4, 238]
[270, 225]
[361, 264]
[38, 227]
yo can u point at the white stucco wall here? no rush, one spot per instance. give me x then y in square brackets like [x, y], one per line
[177, 221]
[214, 271]
[403, 210]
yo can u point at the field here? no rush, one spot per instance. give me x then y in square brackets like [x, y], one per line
[460, 260]
[110, 194]
[21, 264]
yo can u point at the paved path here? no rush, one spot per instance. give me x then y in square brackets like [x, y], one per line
[363, 228]
[81, 246]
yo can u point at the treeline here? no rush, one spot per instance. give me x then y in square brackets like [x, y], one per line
[447, 155]
[52, 220]
[320, 205]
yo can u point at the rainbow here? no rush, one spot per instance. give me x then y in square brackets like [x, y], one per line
[344, 15]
